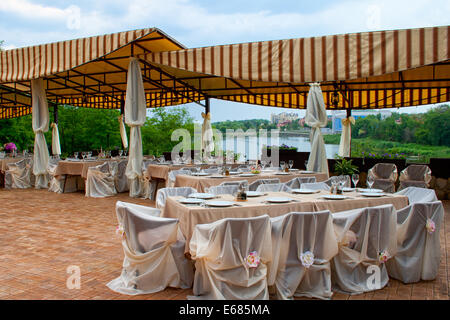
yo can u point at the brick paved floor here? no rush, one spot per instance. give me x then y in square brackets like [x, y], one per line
[42, 233]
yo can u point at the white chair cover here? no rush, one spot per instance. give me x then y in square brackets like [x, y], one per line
[235, 183]
[374, 232]
[316, 117]
[385, 175]
[100, 181]
[337, 178]
[207, 143]
[216, 190]
[154, 252]
[211, 170]
[173, 175]
[18, 174]
[40, 125]
[296, 183]
[416, 194]
[163, 193]
[56, 146]
[123, 132]
[293, 236]
[254, 185]
[419, 251]
[273, 187]
[135, 115]
[415, 175]
[316, 186]
[121, 180]
[221, 250]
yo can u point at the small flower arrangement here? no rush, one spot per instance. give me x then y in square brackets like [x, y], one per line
[430, 226]
[307, 259]
[255, 169]
[120, 231]
[383, 256]
[10, 147]
[375, 155]
[252, 259]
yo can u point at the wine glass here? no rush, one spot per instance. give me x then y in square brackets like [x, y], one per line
[75, 154]
[306, 165]
[291, 163]
[370, 181]
[282, 165]
[120, 153]
[125, 152]
[83, 155]
[90, 154]
[355, 179]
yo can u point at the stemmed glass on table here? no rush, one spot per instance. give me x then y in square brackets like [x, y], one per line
[120, 153]
[75, 154]
[306, 165]
[355, 179]
[282, 165]
[370, 181]
[291, 163]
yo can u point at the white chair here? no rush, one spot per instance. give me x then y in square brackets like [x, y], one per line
[18, 174]
[337, 179]
[273, 187]
[359, 265]
[419, 250]
[226, 254]
[174, 173]
[416, 194]
[316, 186]
[120, 179]
[217, 190]
[211, 170]
[100, 181]
[415, 175]
[385, 175]
[154, 252]
[163, 193]
[254, 185]
[296, 183]
[303, 243]
[235, 183]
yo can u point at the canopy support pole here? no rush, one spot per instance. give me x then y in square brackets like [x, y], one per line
[55, 113]
[349, 114]
[207, 105]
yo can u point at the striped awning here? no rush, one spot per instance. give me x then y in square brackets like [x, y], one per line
[88, 72]
[368, 70]
[381, 69]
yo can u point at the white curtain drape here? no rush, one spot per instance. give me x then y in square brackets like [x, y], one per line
[135, 114]
[316, 117]
[207, 133]
[346, 136]
[123, 132]
[56, 146]
[40, 122]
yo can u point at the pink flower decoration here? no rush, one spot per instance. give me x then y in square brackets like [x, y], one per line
[120, 231]
[383, 256]
[430, 226]
[253, 259]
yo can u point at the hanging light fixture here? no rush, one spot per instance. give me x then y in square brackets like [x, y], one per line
[335, 98]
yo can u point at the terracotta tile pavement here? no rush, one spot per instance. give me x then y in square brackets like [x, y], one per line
[42, 233]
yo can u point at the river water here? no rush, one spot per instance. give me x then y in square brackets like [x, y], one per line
[250, 147]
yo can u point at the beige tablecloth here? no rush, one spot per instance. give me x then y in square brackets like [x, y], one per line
[201, 183]
[5, 161]
[191, 215]
[76, 168]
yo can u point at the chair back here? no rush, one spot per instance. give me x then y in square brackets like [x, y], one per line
[316, 186]
[216, 190]
[416, 194]
[273, 187]
[163, 193]
[254, 185]
[296, 183]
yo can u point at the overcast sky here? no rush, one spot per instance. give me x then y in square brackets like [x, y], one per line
[197, 23]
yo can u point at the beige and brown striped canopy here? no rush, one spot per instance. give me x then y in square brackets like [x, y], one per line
[381, 69]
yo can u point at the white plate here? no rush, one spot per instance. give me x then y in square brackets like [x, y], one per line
[216, 203]
[372, 194]
[294, 170]
[217, 177]
[306, 171]
[200, 174]
[282, 173]
[278, 200]
[254, 193]
[191, 201]
[202, 195]
[334, 197]
[233, 173]
[304, 191]
[247, 175]
[369, 190]
[347, 189]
